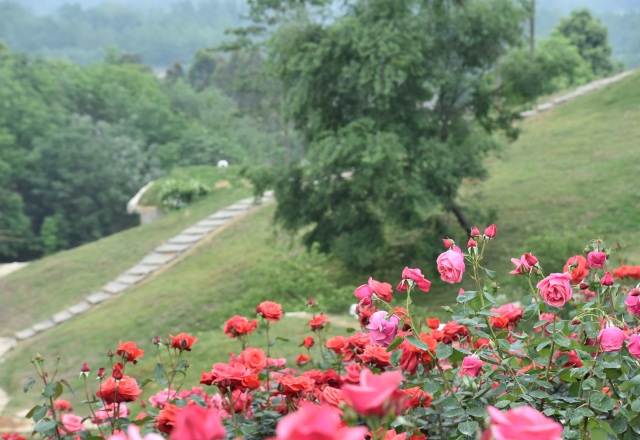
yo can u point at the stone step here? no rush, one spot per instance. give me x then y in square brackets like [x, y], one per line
[130, 279]
[115, 287]
[61, 317]
[172, 248]
[157, 259]
[198, 230]
[79, 308]
[142, 269]
[222, 215]
[25, 334]
[210, 223]
[98, 297]
[44, 325]
[185, 239]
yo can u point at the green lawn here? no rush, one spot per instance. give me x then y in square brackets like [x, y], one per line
[51, 284]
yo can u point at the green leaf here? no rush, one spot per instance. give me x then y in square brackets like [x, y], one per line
[395, 357]
[450, 402]
[28, 384]
[619, 425]
[502, 404]
[418, 343]
[562, 340]
[53, 390]
[44, 426]
[443, 351]
[531, 310]
[562, 359]
[182, 365]
[397, 341]
[635, 406]
[350, 330]
[280, 338]
[40, 413]
[490, 274]
[466, 296]
[476, 411]
[468, 428]
[430, 387]
[598, 434]
[69, 387]
[635, 380]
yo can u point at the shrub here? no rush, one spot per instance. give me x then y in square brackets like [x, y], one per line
[176, 194]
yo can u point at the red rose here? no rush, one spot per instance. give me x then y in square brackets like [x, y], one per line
[167, 418]
[336, 344]
[129, 352]
[581, 269]
[308, 342]
[433, 323]
[239, 326]
[417, 397]
[127, 390]
[182, 341]
[376, 356]
[302, 359]
[270, 311]
[290, 385]
[318, 322]
[254, 359]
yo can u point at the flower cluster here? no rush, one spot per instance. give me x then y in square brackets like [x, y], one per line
[561, 362]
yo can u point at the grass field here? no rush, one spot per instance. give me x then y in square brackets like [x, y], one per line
[570, 177]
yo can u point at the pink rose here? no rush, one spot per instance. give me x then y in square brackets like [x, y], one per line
[161, 398]
[523, 265]
[451, 265]
[108, 411]
[382, 332]
[607, 279]
[71, 422]
[633, 302]
[522, 423]
[596, 259]
[471, 366]
[197, 423]
[313, 422]
[634, 346]
[381, 290]
[556, 289]
[491, 231]
[416, 276]
[134, 434]
[611, 339]
[376, 394]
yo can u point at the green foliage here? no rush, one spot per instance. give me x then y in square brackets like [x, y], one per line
[556, 65]
[392, 104]
[590, 37]
[177, 194]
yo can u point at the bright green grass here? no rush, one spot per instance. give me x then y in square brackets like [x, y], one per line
[184, 298]
[574, 172]
[49, 285]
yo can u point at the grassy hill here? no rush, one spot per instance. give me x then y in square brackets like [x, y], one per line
[570, 177]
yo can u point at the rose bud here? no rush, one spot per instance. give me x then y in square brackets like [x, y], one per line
[607, 279]
[475, 232]
[110, 353]
[448, 243]
[584, 286]
[117, 371]
[530, 259]
[100, 374]
[491, 231]
[157, 340]
[471, 243]
[84, 370]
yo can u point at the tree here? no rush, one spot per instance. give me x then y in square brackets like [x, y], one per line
[590, 36]
[394, 104]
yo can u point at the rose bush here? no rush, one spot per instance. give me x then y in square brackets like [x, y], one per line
[561, 362]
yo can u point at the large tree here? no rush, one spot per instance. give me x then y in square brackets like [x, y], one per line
[394, 102]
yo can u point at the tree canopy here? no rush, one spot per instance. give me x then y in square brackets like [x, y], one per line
[395, 103]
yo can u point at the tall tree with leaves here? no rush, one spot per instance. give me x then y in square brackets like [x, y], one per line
[395, 105]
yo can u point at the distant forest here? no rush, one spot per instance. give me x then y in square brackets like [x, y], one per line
[164, 31]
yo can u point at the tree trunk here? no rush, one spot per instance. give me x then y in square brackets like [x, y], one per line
[457, 211]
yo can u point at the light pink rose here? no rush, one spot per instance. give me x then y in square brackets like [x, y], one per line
[596, 259]
[611, 339]
[161, 398]
[71, 422]
[556, 289]
[376, 394]
[313, 422]
[634, 346]
[134, 434]
[523, 265]
[471, 366]
[451, 265]
[107, 411]
[633, 302]
[522, 423]
[382, 332]
[416, 276]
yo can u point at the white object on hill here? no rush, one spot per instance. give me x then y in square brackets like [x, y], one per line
[223, 164]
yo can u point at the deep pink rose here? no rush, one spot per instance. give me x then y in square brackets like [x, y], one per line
[596, 259]
[611, 339]
[522, 423]
[377, 394]
[451, 265]
[416, 276]
[633, 302]
[523, 267]
[313, 422]
[556, 289]
[471, 366]
[491, 231]
[382, 332]
[381, 290]
[634, 346]
[197, 423]
[607, 279]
